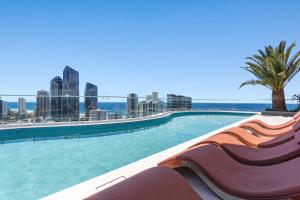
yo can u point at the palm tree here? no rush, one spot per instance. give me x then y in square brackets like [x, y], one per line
[274, 69]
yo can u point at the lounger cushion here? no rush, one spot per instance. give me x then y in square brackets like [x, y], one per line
[297, 115]
[277, 140]
[250, 155]
[158, 183]
[263, 156]
[274, 127]
[245, 136]
[245, 181]
[267, 132]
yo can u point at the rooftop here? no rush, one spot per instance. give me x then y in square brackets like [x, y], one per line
[90, 187]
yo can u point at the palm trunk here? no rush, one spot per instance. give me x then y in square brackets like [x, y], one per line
[278, 100]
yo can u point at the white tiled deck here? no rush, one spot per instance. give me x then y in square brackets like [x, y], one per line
[99, 183]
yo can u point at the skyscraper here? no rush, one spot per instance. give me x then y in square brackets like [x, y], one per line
[42, 105]
[132, 105]
[3, 110]
[22, 107]
[56, 99]
[70, 92]
[90, 99]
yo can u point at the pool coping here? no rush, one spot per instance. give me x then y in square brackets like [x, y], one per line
[96, 184]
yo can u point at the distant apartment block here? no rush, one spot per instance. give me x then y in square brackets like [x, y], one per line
[70, 92]
[132, 105]
[3, 109]
[151, 106]
[142, 108]
[148, 97]
[96, 115]
[155, 96]
[90, 99]
[22, 111]
[178, 102]
[42, 105]
[154, 107]
[56, 98]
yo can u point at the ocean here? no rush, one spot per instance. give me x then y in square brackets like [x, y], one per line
[120, 107]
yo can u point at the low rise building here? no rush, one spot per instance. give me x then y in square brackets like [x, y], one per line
[96, 115]
[115, 116]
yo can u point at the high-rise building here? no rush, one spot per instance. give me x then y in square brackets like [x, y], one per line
[178, 102]
[159, 106]
[184, 103]
[3, 109]
[155, 96]
[132, 105]
[152, 97]
[154, 104]
[171, 102]
[42, 105]
[70, 92]
[22, 108]
[151, 107]
[148, 97]
[143, 109]
[56, 98]
[90, 99]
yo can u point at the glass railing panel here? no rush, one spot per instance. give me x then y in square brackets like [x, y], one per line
[43, 108]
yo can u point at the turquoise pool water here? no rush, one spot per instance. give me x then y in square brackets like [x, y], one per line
[33, 169]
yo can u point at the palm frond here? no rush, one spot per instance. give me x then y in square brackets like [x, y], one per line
[253, 82]
[273, 66]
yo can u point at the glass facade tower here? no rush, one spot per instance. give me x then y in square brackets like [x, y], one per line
[56, 98]
[70, 93]
[90, 99]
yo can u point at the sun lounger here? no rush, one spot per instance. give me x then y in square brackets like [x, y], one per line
[254, 156]
[240, 137]
[267, 132]
[254, 140]
[158, 183]
[231, 179]
[295, 118]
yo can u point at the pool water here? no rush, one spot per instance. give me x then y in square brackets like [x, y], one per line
[34, 169]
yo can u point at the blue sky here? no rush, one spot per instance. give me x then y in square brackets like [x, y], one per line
[193, 48]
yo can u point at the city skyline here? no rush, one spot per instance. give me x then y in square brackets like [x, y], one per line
[182, 48]
[68, 87]
[62, 103]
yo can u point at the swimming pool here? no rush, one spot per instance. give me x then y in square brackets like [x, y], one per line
[35, 168]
